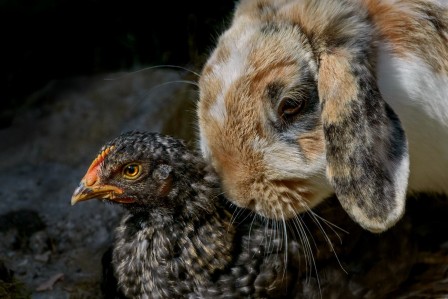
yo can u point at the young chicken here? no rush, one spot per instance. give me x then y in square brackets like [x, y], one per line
[178, 239]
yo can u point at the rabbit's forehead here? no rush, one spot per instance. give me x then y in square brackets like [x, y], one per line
[248, 64]
[254, 48]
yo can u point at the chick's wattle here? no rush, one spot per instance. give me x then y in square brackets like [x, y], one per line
[178, 239]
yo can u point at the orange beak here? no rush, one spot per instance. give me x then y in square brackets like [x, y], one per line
[97, 190]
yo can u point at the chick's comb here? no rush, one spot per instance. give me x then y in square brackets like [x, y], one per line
[91, 175]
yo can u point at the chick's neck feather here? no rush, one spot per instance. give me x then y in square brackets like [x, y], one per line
[177, 251]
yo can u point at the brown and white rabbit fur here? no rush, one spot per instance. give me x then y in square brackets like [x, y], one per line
[303, 98]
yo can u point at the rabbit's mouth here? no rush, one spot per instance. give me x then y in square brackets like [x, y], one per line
[276, 199]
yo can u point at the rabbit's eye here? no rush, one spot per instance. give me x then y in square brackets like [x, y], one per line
[290, 107]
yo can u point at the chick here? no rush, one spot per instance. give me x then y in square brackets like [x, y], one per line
[180, 238]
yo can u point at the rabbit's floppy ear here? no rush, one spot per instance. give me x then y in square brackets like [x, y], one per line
[366, 148]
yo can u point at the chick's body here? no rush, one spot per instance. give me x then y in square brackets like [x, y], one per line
[178, 239]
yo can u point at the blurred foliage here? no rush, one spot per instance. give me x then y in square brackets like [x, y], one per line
[52, 39]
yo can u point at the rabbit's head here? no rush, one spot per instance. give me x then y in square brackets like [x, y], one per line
[290, 111]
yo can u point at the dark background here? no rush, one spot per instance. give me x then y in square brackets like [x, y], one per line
[55, 39]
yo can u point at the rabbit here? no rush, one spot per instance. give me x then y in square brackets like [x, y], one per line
[301, 99]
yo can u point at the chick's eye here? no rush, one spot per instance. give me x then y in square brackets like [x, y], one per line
[132, 171]
[290, 107]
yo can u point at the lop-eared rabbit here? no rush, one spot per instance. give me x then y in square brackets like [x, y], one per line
[304, 98]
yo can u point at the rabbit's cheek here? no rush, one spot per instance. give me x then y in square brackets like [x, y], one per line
[312, 145]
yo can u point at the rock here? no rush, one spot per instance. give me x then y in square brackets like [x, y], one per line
[40, 243]
[44, 257]
[24, 223]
